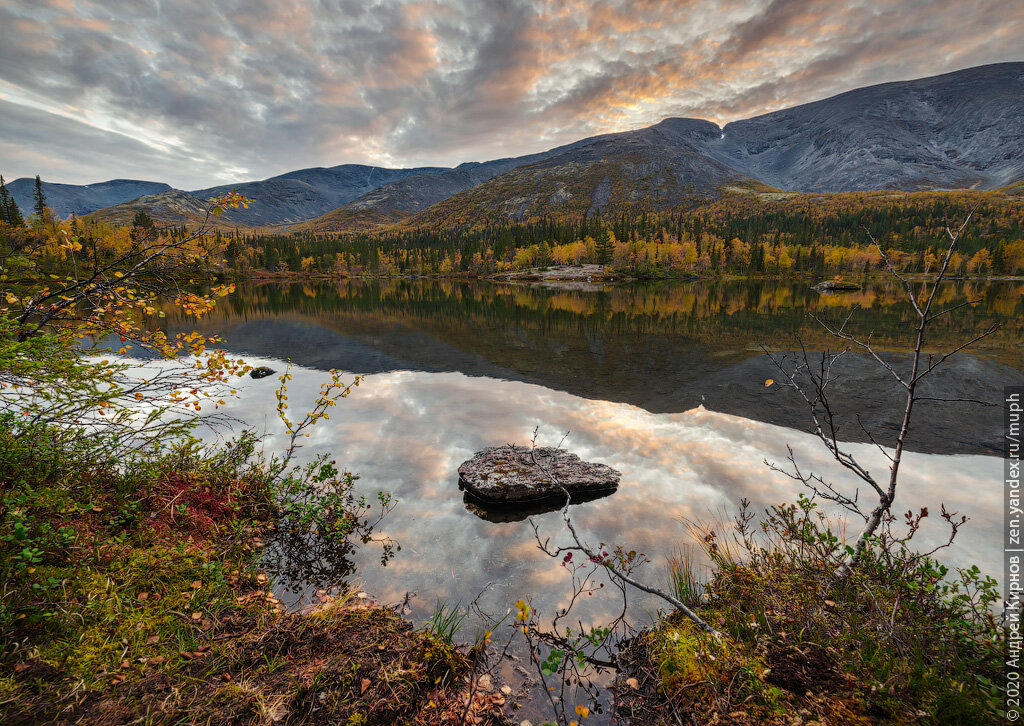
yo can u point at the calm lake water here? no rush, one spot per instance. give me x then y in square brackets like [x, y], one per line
[453, 367]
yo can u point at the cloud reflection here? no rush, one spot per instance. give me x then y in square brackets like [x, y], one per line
[407, 433]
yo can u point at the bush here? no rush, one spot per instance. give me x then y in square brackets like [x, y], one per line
[901, 638]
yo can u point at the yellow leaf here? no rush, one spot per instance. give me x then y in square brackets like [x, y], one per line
[769, 382]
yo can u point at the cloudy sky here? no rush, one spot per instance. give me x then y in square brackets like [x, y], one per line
[196, 92]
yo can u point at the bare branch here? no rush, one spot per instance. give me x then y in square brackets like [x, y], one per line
[598, 558]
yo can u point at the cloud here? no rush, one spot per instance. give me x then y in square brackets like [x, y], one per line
[68, 149]
[203, 92]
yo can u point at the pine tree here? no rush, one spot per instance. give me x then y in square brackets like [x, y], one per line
[40, 200]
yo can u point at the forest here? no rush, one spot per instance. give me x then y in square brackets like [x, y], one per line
[740, 234]
[737, 234]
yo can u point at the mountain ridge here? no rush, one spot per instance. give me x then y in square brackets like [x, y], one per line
[79, 199]
[958, 130]
[306, 193]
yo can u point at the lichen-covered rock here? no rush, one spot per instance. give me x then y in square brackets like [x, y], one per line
[518, 475]
[261, 372]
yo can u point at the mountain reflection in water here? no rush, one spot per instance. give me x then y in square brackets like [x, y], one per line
[666, 348]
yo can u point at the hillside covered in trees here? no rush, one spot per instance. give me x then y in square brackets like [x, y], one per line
[744, 232]
[740, 234]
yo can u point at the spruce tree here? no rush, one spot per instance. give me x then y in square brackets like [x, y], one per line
[40, 200]
[9, 212]
[5, 201]
[14, 214]
[143, 227]
[604, 247]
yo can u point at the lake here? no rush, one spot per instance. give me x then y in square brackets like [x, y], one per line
[666, 383]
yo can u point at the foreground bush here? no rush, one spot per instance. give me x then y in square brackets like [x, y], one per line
[901, 640]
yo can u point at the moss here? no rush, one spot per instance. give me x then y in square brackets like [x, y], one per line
[440, 657]
[141, 606]
[687, 656]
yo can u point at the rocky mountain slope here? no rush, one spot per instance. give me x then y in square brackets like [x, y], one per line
[307, 193]
[650, 169]
[400, 199]
[165, 208]
[79, 199]
[954, 131]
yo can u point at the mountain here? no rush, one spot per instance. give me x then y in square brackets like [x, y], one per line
[954, 131]
[291, 197]
[68, 199]
[654, 168]
[307, 193]
[165, 208]
[401, 199]
[960, 130]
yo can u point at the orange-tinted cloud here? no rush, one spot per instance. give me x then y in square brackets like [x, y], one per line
[271, 86]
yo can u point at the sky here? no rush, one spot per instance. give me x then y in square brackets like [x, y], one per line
[196, 92]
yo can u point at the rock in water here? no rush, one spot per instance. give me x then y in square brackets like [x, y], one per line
[261, 372]
[518, 475]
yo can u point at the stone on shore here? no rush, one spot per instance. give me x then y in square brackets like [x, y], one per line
[836, 286]
[513, 476]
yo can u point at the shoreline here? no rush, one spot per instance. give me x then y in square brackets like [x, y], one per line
[578, 274]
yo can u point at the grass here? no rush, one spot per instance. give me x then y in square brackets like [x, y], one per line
[445, 621]
[687, 582]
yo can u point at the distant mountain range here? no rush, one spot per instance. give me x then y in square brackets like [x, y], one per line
[68, 199]
[962, 130]
[292, 197]
[308, 193]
